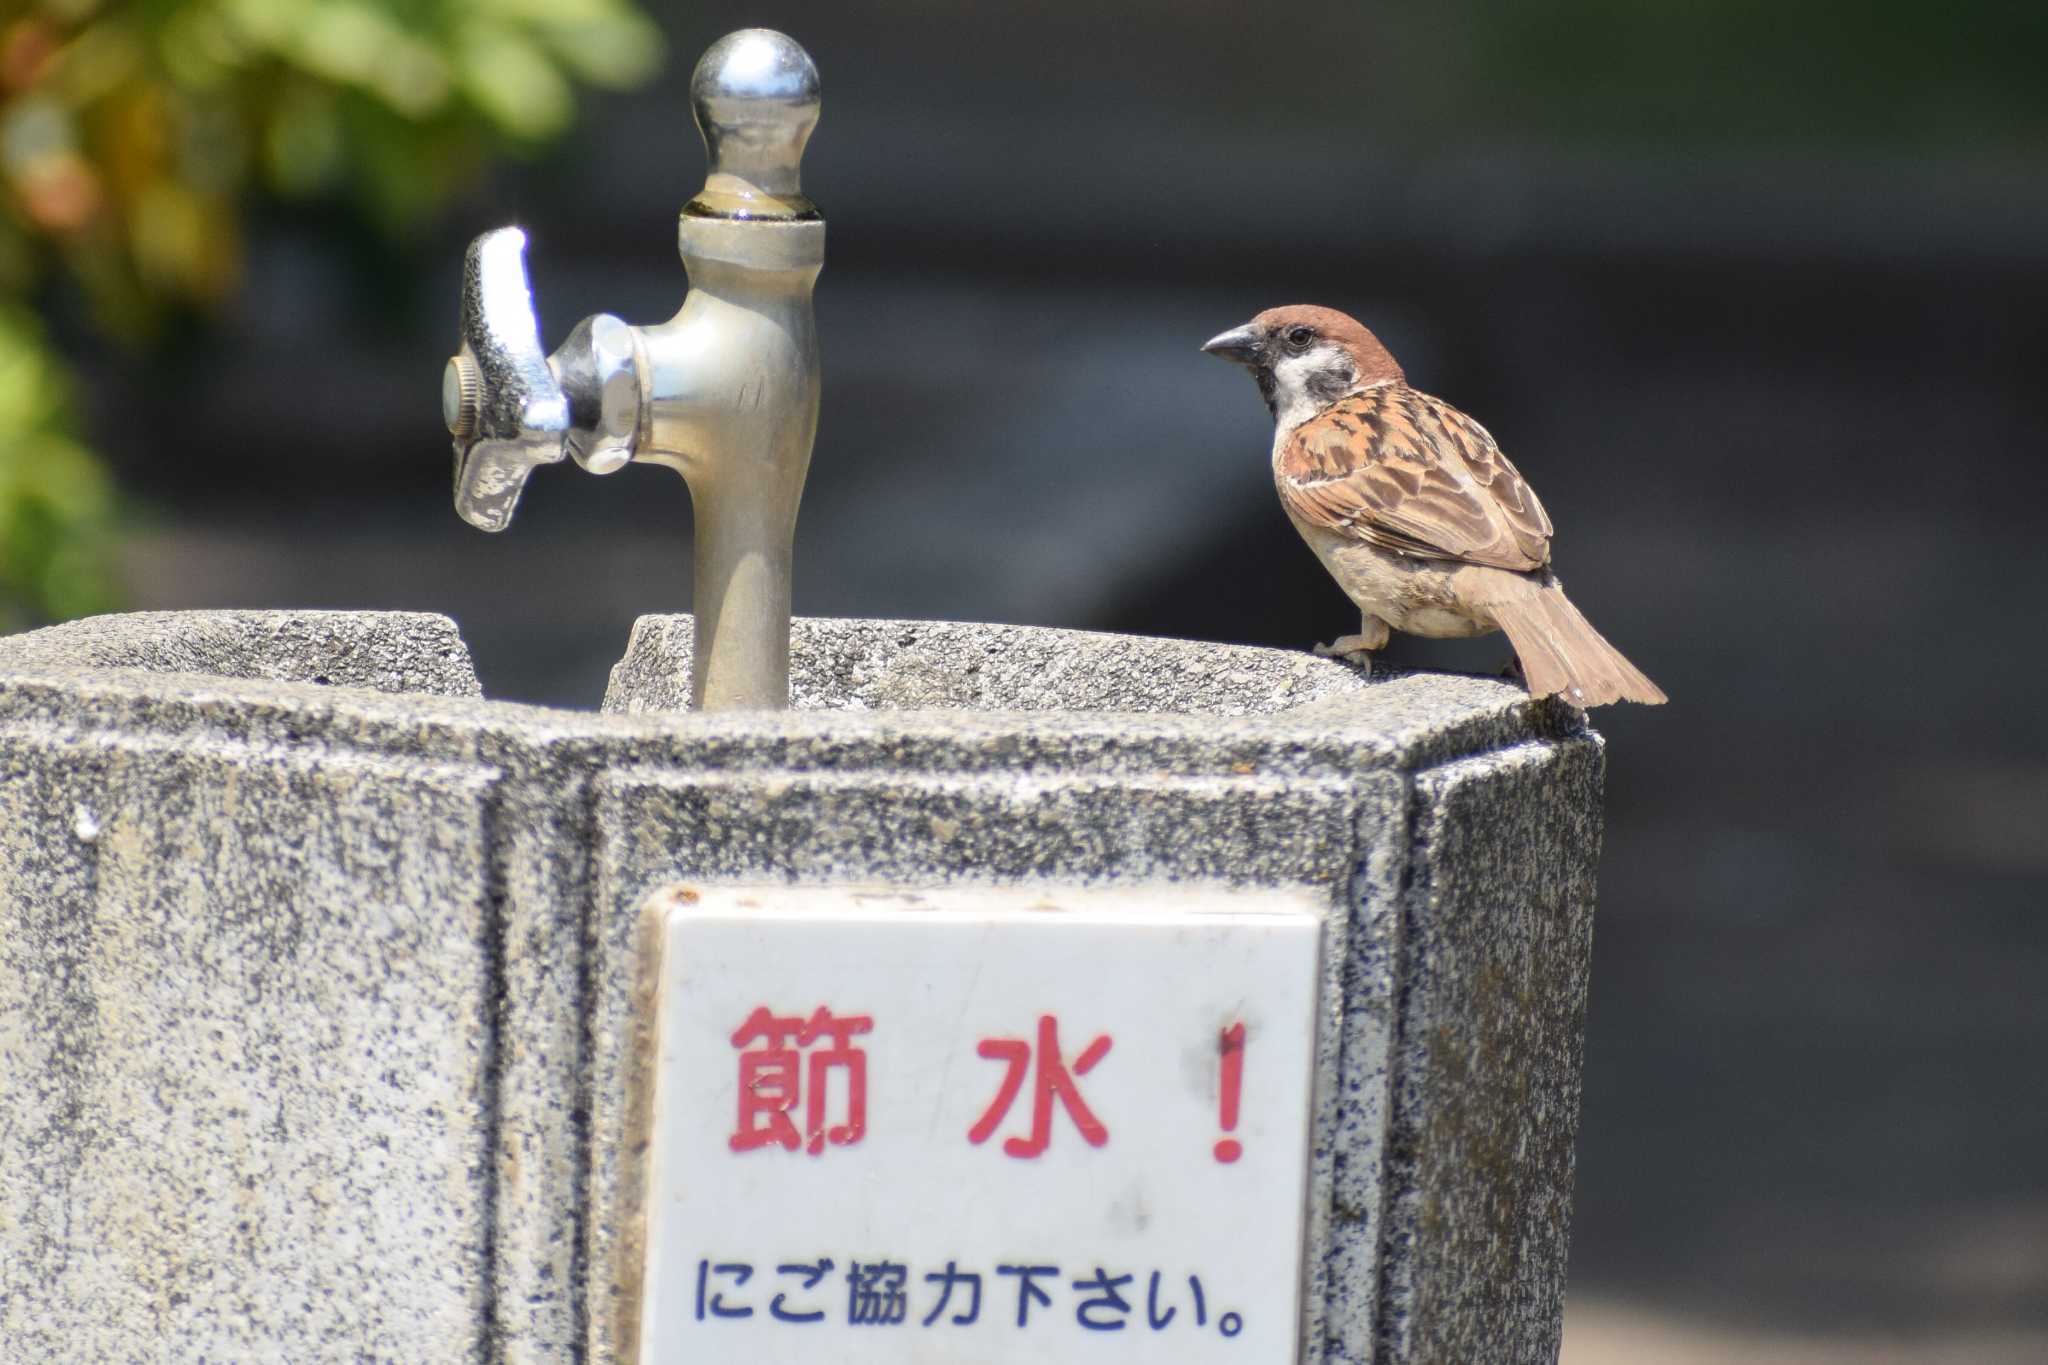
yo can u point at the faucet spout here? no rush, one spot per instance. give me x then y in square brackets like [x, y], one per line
[726, 392]
[733, 407]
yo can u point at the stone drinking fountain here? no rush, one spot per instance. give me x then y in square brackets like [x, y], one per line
[348, 1015]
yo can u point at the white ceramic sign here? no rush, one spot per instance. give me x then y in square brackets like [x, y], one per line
[979, 1126]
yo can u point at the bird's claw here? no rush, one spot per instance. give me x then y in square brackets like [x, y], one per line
[1350, 649]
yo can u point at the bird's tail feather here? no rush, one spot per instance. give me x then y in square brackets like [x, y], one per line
[1562, 655]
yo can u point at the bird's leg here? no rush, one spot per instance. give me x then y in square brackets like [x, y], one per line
[1357, 649]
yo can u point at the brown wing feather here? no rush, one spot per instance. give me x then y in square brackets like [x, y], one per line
[1410, 473]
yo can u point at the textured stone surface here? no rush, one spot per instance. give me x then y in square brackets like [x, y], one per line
[246, 1083]
[856, 665]
[386, 650]
[324, 995]
[1497, 931]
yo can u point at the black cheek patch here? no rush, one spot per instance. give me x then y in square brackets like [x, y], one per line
[1327, 386]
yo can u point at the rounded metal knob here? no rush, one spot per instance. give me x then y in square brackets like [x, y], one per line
[756, 98]
[461, 396]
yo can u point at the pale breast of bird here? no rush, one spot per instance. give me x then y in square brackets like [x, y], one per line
[1415, 595]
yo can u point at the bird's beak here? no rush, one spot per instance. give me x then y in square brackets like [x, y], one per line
[1239, 345]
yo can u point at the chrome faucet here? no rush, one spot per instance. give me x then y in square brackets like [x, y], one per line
[725, 393]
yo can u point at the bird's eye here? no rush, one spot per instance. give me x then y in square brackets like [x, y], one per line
[1298, 338]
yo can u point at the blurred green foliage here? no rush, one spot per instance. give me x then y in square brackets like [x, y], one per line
[132, 133]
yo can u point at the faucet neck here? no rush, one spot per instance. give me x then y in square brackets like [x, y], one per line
[749, 245]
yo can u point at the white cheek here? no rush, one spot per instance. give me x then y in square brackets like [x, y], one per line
[1292, 400]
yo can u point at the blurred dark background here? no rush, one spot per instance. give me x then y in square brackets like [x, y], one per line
[1754, 295]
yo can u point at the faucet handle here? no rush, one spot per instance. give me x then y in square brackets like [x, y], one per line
[502, 403]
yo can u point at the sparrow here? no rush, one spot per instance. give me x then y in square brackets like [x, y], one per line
[1413, 509]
